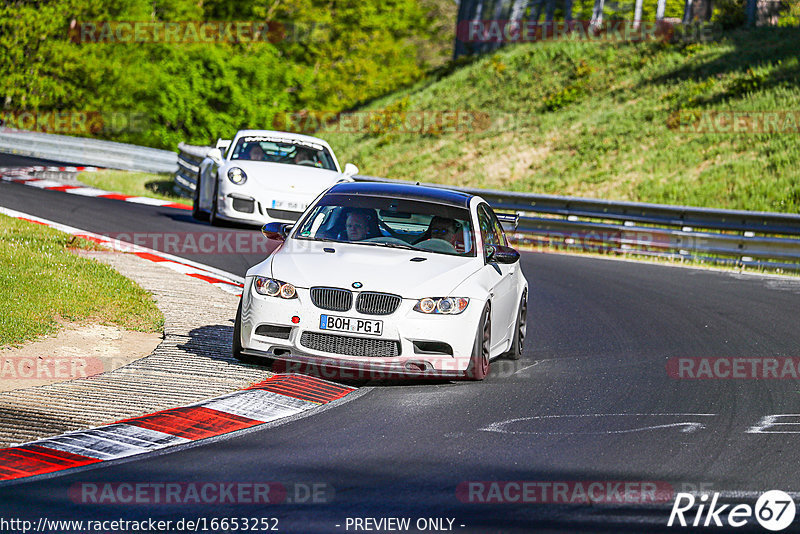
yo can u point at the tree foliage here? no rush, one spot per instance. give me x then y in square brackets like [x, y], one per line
[334, 55]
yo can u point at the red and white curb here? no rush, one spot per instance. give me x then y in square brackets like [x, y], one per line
[48, 168]
[20, 175]
[276, 397]
[228, 282]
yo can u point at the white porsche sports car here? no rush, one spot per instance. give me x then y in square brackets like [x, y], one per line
[387, 279]
[263, 176]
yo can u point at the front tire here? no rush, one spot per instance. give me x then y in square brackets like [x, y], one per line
[197, 213]
[213, 218]
[236, 348]
[479, 361]
[521, 328]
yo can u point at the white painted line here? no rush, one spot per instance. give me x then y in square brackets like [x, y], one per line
[149, 201]
[88, 192]
[259, 405]
[65, 444]
[112, 442]
[685, 426]
[136, 435]
[43, 184]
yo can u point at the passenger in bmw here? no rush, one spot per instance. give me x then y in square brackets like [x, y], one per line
[440, 228]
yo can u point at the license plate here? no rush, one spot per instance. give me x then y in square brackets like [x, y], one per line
[350, 324]
[288, 205]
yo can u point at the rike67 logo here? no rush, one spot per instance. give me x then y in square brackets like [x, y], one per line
[774, 510]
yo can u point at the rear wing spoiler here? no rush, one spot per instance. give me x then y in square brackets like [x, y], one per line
[508, 220]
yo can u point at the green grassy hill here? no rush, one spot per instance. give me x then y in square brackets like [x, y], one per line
[603, 120]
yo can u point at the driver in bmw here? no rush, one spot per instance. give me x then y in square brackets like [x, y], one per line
[356, 226]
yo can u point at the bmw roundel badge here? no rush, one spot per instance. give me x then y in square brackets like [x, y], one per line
[357, 285]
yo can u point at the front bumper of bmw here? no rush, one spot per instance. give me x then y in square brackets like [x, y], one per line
[410, 343]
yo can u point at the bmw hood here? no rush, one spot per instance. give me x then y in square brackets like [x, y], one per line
[306, 264]
[297, 179]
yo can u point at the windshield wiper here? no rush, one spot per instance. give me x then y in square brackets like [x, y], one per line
[388, 245]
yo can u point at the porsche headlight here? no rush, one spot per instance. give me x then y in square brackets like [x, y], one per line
[442, 305]
[237, 175]
[274, 288]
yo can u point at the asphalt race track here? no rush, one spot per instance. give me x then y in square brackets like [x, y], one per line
[591, 400]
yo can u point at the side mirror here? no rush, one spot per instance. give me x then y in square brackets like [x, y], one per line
[275, 230]
[350, 170]
[216, 155]
[501, 254]
[223, 144]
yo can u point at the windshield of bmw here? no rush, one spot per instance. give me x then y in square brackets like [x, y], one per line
[390, 222]
[280, 150]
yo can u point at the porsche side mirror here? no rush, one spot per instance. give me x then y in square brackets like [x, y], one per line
[275, 230]
[215, 155]
[223, 144]
[350, 170]
[501, 254]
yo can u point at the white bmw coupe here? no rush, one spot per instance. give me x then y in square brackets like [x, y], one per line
[389, 279]
[265, 176]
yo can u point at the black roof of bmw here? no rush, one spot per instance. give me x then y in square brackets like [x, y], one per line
[405, 191]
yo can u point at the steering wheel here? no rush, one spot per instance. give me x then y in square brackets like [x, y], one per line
[383, 226]
[436, 245]
[305, 162]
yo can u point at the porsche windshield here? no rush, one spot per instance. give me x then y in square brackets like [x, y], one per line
[275, 150]
[390, 222]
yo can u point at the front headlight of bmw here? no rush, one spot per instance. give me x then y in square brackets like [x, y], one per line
[274, 288]
[442, 305]
[237, 175]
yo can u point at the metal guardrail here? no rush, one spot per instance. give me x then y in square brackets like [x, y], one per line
[87, 151]
[189, 158]
[743, 238]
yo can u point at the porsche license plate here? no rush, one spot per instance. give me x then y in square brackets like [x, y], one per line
[350, 324]
[289, 205]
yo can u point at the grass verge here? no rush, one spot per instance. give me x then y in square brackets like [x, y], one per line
[605, 120]
[41, 281]
[140, 184]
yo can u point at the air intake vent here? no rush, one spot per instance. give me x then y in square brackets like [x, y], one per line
[331, 298]
[350, 346]
[245, 205]
[370, 303]
[280, 332]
